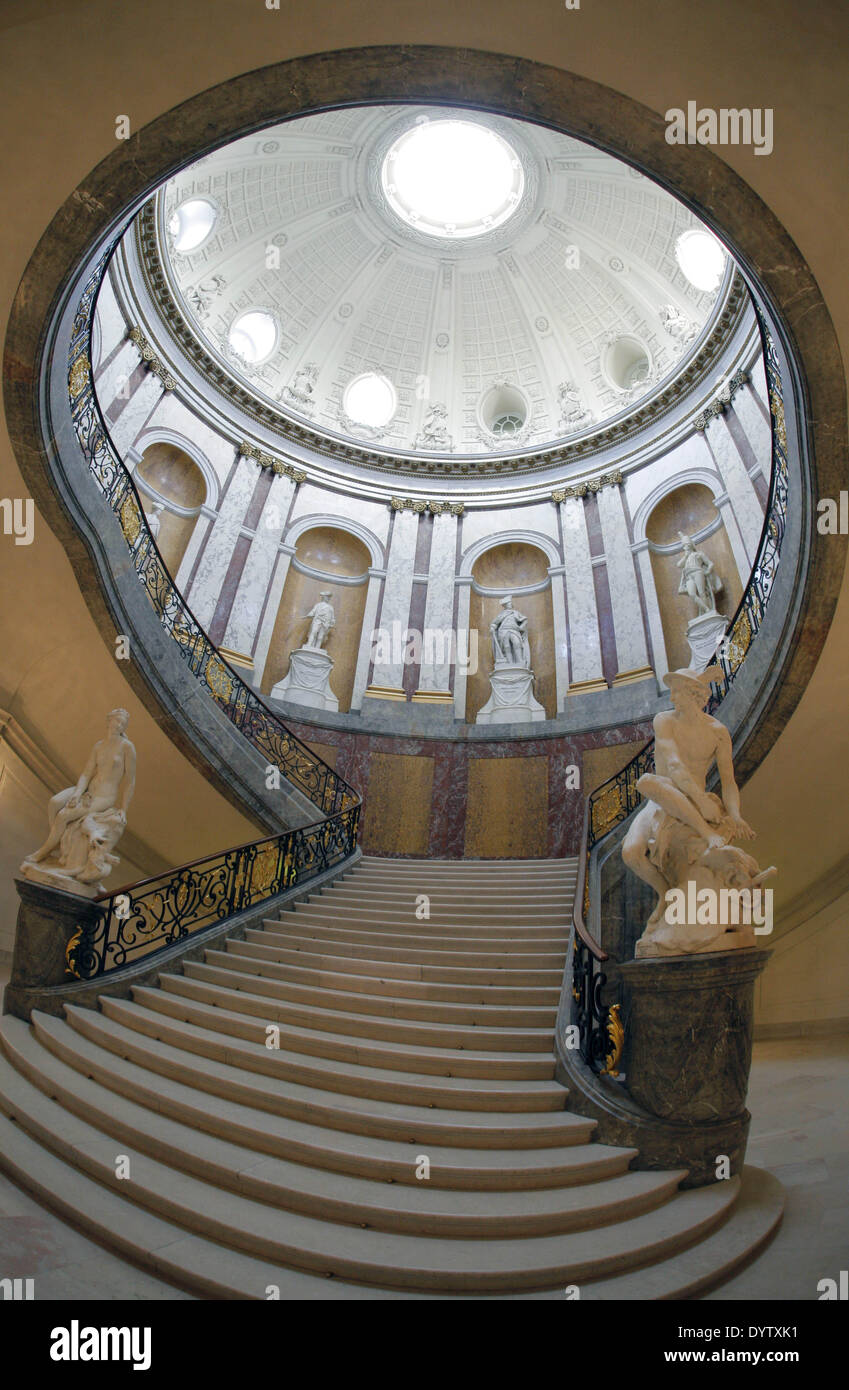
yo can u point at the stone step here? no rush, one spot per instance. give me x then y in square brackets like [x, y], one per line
[391, 955]
[414, 1207]
[349, 1072]
[357, 893]
[237, 1071]
[344, 1151]
[399, 970]
[499, 921]
[383, 1258]
[449, 1040]
[213, 1271]
[293, 982]
[314, 1004]
[332, 931]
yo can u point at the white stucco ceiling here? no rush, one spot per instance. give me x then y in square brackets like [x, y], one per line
[535, 319]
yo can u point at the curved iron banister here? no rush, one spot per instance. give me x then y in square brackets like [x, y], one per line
[611, 803]
[151, 914]
[242, 706]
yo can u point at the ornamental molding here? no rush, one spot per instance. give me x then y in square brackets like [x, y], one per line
[413, 504]
[717, 407]
[213, 372]
[287, 470]
[150, 358]
[561, 494]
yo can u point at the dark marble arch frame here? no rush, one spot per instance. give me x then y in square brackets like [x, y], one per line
[34, 367]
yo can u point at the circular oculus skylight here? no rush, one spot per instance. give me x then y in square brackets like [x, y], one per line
[701, 258]
[191, 224]
[452, 178]
[253, 335]
[370, 400]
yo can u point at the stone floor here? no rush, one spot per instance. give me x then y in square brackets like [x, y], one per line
[799, 1099]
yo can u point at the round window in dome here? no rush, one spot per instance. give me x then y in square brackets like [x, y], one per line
[701, 258]
[370, 400]
[191, 224]
[452, 178]
[253, 335]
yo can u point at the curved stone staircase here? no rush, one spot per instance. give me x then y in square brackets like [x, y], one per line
[254, 1169]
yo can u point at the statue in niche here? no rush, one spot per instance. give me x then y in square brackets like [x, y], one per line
[574, 415]
[699, 580]
[323, 621]
[87, 821]
[509, 634]
[434, 431]
[681, 837]
[154, 520]
[677, 325]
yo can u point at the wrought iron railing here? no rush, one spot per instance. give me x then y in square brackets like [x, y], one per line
[599, 1025]
[154, 913]
[148, 916]
[296, 762]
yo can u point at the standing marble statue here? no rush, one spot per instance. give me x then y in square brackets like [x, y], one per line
[699, 580]
[87, 821]
[323, 621]
[509, 634]
[682, 835]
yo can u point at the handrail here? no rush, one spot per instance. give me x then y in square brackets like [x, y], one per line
[244, 708]
[600, 1028]
[152, 913]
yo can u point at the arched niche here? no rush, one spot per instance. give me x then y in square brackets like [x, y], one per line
[168, 476]
[691, 509]
[326, 557]
[509, 568]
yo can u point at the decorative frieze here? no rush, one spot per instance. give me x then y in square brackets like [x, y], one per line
[613, 479]
[151, 360]
[725, 397]
[411, 504]
[287, 470]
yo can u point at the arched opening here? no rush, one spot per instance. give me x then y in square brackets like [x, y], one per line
[510, 568]
[173, 490]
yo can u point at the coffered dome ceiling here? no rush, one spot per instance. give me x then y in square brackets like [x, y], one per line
[421, 281]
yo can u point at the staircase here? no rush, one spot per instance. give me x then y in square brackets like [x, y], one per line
[406, 1046]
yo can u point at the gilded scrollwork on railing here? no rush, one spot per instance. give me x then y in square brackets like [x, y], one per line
[151, 915]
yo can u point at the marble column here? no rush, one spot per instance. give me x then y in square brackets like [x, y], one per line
[130, 422]
[738, 485]
[197, 540]
[268, 615]
[631, 653]
[435, 674]
[119, 371]
[256, 576]
[212, 569]
[464, 604]
[725, 508]
[587, 673]
[561, 635]
[376, 579]
[642, 558]
[389, 676]
[755, 427]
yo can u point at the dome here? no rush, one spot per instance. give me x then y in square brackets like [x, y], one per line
[493, 287]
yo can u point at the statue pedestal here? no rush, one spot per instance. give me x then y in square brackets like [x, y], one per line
[704, 635]
[688, 1045]
[512, 699]
[307, 682]
[52, 875]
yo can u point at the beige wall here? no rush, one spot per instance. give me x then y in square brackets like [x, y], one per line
[177, 477]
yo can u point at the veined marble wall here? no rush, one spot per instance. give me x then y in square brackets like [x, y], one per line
[602, 616]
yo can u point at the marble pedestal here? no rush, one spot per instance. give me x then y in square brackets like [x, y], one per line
[704, 635]
[512, 698]
[307, 682]
[47, 919]
[688, 1049]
